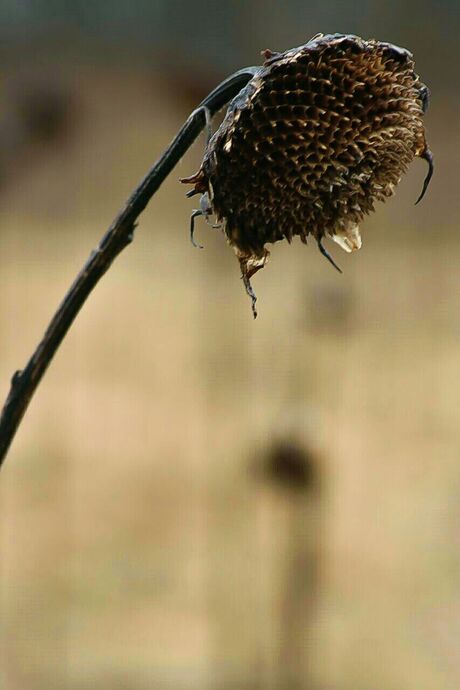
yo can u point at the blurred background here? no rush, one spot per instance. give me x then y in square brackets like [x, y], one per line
[196, 500]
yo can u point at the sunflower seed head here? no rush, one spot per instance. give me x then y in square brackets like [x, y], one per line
[318, 135]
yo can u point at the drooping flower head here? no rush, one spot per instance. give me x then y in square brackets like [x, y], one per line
[318, 135]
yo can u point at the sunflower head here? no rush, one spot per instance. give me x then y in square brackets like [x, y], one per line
[319, 134]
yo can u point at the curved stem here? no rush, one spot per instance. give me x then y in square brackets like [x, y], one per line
[24, 382]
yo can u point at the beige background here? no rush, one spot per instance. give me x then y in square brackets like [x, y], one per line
[145, 542]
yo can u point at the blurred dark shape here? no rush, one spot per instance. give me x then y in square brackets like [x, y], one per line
[329, 308]
[187, 85]
[289, 465]
[38, 117]
[45, 113]
[295, 480]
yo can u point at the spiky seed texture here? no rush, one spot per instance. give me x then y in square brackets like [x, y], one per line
[318, 135]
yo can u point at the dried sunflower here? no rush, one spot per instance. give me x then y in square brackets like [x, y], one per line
[318, 135]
